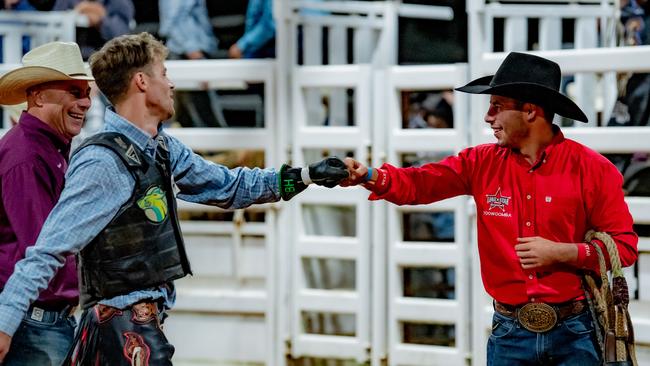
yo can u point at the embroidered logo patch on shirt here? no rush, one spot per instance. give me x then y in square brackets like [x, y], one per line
[154, 204]
[497, 201]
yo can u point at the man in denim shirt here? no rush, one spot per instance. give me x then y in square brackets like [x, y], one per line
[186, 26]
[118, 212]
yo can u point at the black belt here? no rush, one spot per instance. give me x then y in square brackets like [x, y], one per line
[48, 313]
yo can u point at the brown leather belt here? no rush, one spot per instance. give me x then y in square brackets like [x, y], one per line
[541, 317]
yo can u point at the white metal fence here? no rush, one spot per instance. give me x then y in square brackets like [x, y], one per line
[409, 311]
[331, 240]
[593, 24]
[39, 27]
[230, 301]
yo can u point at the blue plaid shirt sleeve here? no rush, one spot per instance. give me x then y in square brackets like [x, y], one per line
[203, 181]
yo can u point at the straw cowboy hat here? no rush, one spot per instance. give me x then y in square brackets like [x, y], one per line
[528, 78]
[55, 61]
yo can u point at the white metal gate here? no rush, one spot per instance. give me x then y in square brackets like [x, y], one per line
[230, 301]
[402, 255]
[330, 225]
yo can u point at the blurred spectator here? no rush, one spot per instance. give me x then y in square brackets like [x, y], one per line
[41, 5]
[645, 34]
[632, 108]
[258, 40]
[632, 20]
[187, 29]
[442, 114]
[17, 5]
[147, 17]
[429, 110]
[416, 116]
[435, 119]
[107, 19]
[633, 105]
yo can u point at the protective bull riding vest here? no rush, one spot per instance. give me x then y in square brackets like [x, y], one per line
[142, 247]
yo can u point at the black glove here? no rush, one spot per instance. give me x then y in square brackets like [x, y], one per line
[328, 172]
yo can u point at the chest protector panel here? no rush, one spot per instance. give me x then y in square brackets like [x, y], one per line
[142, 247]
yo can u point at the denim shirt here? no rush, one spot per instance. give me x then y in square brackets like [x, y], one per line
[97, 185]
[259, 28]
[187, 27]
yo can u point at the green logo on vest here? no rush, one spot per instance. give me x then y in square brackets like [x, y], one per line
[154, 204]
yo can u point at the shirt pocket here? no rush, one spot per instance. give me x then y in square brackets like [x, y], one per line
[559, 212]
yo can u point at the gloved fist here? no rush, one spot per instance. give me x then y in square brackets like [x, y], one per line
[328, 172]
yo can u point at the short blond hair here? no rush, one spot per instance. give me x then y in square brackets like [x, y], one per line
[119, 59]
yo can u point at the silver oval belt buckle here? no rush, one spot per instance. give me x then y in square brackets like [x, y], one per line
[537, 317]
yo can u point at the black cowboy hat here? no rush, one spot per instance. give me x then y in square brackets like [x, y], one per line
[531, 79]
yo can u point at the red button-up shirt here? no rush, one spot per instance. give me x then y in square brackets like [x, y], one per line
[570, 190]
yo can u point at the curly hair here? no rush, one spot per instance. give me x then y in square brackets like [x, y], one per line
[115, 63]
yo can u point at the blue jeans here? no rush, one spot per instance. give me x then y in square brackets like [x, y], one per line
[42, 342]
[571, 343]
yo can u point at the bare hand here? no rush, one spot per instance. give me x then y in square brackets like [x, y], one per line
[537, 252]
[93, 10]
[5, 343]
[234, 51]
[195, 55]
[357, 171]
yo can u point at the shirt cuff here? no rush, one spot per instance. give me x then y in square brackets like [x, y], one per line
[273, 181]
[10, 319]
[380, 186]
[587, 256]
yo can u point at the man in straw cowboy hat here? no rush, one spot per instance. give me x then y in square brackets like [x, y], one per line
[118, 211]
[33, 161]
[537, 194]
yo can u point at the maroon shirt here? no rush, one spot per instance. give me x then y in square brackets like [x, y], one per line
[33, 161]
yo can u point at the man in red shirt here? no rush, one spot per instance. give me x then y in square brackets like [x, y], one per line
[536, 195]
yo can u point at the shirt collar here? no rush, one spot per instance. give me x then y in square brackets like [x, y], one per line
[33, 124]
[116, 123]
[558, 137]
